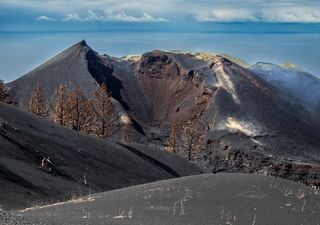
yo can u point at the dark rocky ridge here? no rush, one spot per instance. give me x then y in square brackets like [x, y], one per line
[251, 125]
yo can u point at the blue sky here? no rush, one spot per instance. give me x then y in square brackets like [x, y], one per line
[27, 15]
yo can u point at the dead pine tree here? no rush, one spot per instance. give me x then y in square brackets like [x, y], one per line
[59, 105]
[126, 133]
[5, 95]
[103, 111]
[194, 138]
[38, 103]
[78, 111]
[171, 145]
[126, 125]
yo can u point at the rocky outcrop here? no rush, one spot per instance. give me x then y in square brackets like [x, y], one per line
[229, 159]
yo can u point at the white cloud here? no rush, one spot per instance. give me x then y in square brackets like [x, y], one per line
[293, 15]
[274, 15]
[92, 16]
[305, 11]
[122, 16]
[45, 18]
[72, 17]
[226, 15]
[110, 16]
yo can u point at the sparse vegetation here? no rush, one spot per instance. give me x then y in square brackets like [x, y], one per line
[72, 109]
[78, 111]
[126, 124]
[173, 138]
[103, 112]
[59, 105]
[190, 137]
[97, 116]
[5, 95]
[38, 103]
[194, 140]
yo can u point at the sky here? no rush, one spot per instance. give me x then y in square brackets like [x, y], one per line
[30, 15]
[33, 31]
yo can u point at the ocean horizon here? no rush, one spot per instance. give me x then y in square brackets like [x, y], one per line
[23, 51]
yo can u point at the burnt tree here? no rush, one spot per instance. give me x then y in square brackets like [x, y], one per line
[38, 103]
[78, 111]
[103, 111]
[59, 105]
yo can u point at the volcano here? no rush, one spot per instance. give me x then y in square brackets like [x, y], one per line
[245, 123]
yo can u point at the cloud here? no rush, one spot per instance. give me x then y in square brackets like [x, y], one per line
[45, 18]
[272, 15]
[72, 17]
[110, 16]
[293, 15]
[146, 17]
[226, 15]
[91, 16]
[297, 11]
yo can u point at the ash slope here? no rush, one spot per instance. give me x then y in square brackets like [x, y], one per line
[210, 199]
[77, 164]
[250, 124]
[303, 87]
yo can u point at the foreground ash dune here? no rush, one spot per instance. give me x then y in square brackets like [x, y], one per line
[41, 162]
[207, 199]
[248, 121]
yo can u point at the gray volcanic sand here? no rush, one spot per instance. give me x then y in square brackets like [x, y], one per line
[202, 200]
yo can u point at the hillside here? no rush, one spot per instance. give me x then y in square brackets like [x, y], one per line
[42, 162]
[219, 199]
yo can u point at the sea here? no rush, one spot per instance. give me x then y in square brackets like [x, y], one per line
[23, 51]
